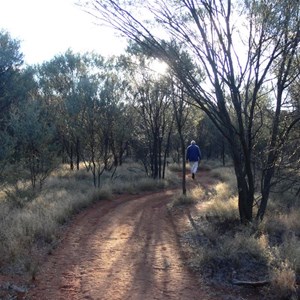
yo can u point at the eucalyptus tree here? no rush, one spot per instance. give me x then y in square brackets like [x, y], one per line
[36, 148]
[61, 81]
[93, 150]
[11, 61]
[17, 87]
[114, 95]
[289, 153]
[152, 101]
[213, 144]
[241, 48]
[181, 115]
[105, 122]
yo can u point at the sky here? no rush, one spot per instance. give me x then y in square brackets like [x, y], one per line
[46, 28]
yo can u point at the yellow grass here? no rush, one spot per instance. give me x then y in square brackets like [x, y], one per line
[283, 282]
[223, 238]
[29, 219]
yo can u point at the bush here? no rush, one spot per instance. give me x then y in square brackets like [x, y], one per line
[220, 246]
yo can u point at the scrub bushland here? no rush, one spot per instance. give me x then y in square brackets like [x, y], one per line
[226, 252]
[31, 220]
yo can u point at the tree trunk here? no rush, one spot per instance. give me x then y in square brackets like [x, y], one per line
[245, 190]
[183, 172]
[167, 149]
[94, 173]
[155, 157]
[98, 179]
[265, 192]
[160, 157]
[71, 158]
[183, 162]
[223, 153]
[77, 153]
[272, 156]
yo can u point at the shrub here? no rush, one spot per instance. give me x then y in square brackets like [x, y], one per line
[283, 282]
[219, 245]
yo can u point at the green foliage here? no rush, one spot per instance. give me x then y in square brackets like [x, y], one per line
[6, 150]
[98, 111]
[224, 56]
[10, 55]
[10, 63]
[35, 148]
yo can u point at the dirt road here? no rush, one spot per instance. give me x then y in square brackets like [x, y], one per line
[125, 248]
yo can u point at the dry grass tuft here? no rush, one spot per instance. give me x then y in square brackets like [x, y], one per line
[290, 250]
[181, 200]
[222, 202]
[225, 209]
[175, 167]
[30, 220]
[283, 282]
[225, 174]
[198, 193]
[191, 197]
[279, 219]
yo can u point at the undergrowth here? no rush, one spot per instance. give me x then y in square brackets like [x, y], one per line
[223, 250]
[31, 220]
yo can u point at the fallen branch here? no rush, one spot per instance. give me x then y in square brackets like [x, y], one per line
[251, 283]
[258, 283]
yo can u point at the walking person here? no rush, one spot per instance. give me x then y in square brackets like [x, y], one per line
[193, 156]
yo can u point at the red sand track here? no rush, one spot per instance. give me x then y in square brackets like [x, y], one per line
[126, 248]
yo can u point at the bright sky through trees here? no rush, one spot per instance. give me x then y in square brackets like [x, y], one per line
[46, 28]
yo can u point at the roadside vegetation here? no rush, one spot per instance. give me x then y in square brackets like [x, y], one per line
[31, 221]
[69, 126]
[263, 256]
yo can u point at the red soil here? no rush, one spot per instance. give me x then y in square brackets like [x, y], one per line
[126, 248]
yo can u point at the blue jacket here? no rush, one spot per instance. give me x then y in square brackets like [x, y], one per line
[193, 153]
